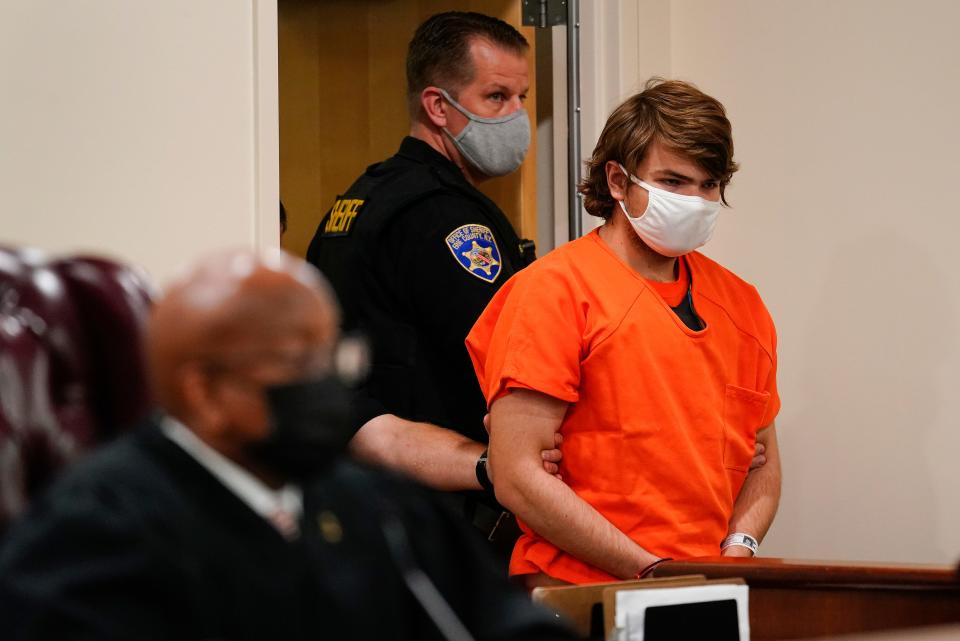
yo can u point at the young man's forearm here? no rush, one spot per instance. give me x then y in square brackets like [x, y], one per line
[556, 513]
[523, 423]
[757, 503]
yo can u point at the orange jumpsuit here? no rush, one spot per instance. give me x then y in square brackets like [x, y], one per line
[662, 420]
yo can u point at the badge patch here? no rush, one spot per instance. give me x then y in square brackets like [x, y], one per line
[476, 250]
[341, 217]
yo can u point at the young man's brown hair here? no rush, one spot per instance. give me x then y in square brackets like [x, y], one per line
[673, 112]
[439, 53]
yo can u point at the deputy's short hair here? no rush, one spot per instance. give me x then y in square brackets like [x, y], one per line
[439, 53]
[676, 114]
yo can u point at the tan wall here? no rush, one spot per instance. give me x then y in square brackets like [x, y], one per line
[143, 130]
[845, 116]
[845, 120]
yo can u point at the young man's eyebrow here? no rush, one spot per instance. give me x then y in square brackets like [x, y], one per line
[672, 174]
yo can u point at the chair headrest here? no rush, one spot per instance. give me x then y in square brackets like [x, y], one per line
[72, 369]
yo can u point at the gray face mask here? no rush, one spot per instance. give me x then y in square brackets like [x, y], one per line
[494, 146]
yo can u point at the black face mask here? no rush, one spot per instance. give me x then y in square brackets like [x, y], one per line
[311, 426]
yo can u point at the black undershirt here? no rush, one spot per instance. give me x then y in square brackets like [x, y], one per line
[687, 314]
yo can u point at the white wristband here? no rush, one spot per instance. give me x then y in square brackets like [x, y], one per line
[743, 540]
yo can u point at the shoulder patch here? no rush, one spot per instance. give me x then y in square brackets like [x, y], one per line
[339, 221]
[476, 250]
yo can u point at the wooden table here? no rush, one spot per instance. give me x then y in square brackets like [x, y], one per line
[792, 599]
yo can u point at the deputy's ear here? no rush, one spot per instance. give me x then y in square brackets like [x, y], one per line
[434, 106]
[617, 181]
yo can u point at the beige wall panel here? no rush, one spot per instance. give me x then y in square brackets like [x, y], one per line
[844, 117]
[141, 130]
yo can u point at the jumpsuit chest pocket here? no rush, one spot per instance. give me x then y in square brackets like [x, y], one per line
[743, 410]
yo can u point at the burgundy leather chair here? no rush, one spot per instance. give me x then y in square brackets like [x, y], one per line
[71, 364]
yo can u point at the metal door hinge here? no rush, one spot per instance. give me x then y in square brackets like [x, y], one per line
[544, 13]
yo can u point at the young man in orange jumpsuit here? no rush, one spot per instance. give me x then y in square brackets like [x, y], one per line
[656, 364]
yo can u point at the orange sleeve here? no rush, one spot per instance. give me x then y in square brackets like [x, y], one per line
[773, 407]
[530, 337]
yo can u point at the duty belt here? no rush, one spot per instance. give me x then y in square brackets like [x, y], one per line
[497, 525]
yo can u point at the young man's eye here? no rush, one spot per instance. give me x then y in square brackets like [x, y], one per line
[673, 182]
[713, 184]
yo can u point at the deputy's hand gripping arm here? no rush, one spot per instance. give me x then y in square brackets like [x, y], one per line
[435, 456]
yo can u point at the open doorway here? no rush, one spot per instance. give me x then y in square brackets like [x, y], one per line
[342, 99]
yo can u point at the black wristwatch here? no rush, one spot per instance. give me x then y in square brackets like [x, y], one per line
[482, 473]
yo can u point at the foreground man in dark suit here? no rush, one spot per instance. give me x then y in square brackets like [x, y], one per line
[230, 515]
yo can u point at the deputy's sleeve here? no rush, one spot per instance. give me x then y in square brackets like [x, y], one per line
[449, 266]
[531, 336]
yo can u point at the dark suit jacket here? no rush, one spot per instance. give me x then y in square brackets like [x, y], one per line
[139, 541]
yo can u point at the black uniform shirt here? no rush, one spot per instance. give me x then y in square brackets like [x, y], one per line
[415, 253]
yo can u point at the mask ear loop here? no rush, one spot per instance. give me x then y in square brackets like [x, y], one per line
[453, 103]
[630, 179]
[623, 201]
[634, 179]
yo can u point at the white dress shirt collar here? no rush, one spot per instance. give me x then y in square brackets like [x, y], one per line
[262, 499]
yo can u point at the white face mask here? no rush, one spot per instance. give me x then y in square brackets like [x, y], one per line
[673, 224]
